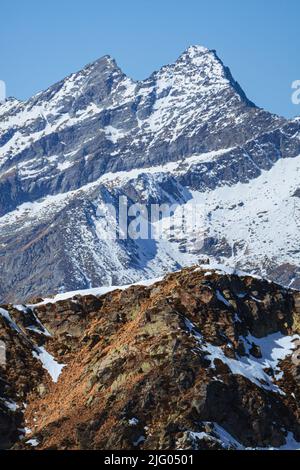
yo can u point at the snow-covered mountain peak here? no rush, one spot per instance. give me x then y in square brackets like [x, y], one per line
[206, 60]
[77, 98]
[89, 81]
[203, 68]
[194, 55]
[105, 64]
[196, 50]
[200, 57]
[189, 126]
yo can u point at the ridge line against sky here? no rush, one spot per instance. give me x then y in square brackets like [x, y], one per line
[258, 41]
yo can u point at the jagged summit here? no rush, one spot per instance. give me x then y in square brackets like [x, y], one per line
[197, 66]
[104, 62]
[188, 127]
[197, 49]
[193, 52]
[211, 68]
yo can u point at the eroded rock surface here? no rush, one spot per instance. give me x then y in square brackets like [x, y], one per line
[200, 360]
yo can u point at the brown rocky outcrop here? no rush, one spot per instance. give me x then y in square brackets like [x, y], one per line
[199, 360]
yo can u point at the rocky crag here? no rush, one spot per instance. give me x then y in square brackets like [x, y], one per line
[202, 359]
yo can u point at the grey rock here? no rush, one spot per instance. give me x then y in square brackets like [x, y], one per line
[57, 148]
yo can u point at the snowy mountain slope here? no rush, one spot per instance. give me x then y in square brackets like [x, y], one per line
[99, 120]
[253, 226]
[186, 134]
[259, 222]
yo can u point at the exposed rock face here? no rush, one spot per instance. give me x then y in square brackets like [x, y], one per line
[199, 360]
[186, 132]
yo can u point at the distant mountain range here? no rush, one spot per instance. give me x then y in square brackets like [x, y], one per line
[186, 134]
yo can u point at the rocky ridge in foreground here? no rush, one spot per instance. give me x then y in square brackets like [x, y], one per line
[199, 360]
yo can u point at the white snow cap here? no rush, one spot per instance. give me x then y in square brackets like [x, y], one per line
[203, 57]
[196, 50]
[195, 54]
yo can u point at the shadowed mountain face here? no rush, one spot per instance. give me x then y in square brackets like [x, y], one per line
[188, 132]
[199, 360]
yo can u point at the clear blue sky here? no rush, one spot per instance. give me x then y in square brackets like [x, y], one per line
[43, 41]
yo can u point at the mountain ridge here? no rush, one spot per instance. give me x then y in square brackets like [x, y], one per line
[188, 53]
[179, 134]
[202, 359]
